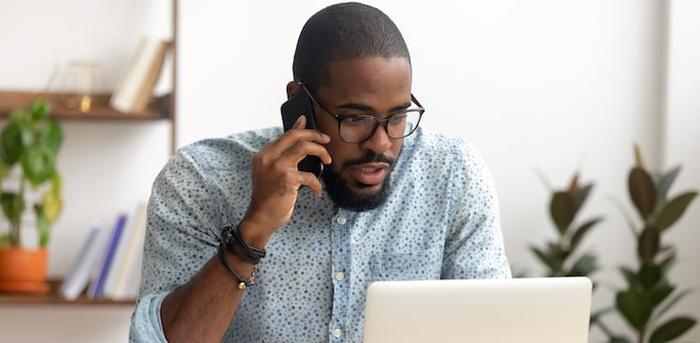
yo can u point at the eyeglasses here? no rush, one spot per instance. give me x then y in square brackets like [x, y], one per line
[357, 128]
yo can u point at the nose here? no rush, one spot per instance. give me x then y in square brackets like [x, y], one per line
[379, 142]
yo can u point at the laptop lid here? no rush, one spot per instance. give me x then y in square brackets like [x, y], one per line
[538, 310]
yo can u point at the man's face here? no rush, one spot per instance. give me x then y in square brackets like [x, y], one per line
[378, 86]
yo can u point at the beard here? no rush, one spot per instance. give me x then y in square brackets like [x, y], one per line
[340, 192]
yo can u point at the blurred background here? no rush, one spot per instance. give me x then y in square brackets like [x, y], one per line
[545, 87]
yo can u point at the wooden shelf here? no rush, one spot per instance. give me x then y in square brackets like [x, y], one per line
[157, 109]
[53, 298]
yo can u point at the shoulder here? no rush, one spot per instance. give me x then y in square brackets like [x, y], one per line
[232, 152]
[438, 151]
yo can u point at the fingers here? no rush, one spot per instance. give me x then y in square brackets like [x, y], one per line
[310, 180]
[297, 133]
[300, 123]
[304, 148]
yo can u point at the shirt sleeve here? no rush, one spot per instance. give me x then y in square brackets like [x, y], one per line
[474, 247]
[181, 236]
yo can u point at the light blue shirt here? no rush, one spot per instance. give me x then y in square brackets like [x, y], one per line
[440, 220]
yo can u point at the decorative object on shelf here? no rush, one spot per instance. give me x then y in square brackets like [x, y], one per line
[29, 145]
[558, 255]
[78, 86]
[649, 293]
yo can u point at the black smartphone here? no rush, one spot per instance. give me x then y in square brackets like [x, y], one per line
[292, 109]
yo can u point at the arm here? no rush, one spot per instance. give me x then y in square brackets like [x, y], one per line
[474, 247]
[183, 234]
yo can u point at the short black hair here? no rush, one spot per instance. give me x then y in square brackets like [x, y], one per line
[344, 31]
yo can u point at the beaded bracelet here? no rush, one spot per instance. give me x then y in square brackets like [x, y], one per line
[242, 282]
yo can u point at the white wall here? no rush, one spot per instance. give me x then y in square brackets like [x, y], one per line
[547, 84]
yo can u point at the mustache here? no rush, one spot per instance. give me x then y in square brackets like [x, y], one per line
[369, 158]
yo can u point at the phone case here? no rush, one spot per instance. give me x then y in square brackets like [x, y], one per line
[291, 110]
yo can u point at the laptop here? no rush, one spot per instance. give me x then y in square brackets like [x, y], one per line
[538, 310]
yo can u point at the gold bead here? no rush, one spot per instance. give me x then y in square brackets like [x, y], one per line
[241, 285]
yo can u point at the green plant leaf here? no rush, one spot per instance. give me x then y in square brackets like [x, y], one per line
[649, 275]
[581, 196]
[665, 182]
[672, 329]
[642, 191]
[562, 209]
[56, 184]
[635, 308]
[674, 210]
[18, 115]
[632, 279]
[52, 136]
[667, 261]
[39, 109]
[27, 135]
[548, 260]
[42, 225]
[584, 266]
[581, 232]
[648, 245]
[11, 139]
[52, 206]
[4, 170]
[12, 206]
[659, 294]
[38, 164]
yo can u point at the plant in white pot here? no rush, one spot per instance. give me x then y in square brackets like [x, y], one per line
[29, 146]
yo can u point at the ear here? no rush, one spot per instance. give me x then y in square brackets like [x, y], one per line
[293, 88]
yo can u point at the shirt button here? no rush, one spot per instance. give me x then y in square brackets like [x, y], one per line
[341, 220]
[339, 276]
[337, 333]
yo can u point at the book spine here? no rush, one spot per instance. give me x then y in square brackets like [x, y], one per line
[109, 255]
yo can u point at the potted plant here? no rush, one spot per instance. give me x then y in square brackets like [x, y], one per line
[29, 145]
[649, 294]
[559, 255]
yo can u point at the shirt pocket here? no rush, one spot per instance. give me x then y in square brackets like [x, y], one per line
[415, 265]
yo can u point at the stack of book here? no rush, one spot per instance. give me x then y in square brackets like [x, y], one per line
[109, 263]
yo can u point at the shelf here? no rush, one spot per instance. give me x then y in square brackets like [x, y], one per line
[52, 298]
[157, 109]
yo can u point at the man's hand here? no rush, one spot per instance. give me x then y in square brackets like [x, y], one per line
[276, 180]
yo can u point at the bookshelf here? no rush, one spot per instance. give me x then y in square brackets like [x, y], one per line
[159, 109]
[53, 298]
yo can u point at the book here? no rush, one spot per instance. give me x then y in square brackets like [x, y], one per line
[123, 257]
[81, 272]
[97, 286]
[129, 278]
[135, 88]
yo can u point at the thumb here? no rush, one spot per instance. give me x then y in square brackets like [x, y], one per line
[301, 122]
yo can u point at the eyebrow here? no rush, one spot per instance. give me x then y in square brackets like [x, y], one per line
[370, 109]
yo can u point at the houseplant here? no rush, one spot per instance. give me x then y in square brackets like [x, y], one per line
[649, 293]
[29, 145]
[560, 255]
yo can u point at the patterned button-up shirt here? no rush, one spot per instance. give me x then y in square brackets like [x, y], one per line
[440, 220]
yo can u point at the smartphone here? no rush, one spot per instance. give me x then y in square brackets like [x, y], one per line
[292, 109]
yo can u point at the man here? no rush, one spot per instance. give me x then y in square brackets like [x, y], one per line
[393, 203]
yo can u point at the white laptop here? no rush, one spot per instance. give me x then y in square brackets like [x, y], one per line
[541, 310]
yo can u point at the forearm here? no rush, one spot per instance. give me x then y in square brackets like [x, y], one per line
[203, 308]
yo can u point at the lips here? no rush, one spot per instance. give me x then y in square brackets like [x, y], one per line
[369, 174]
